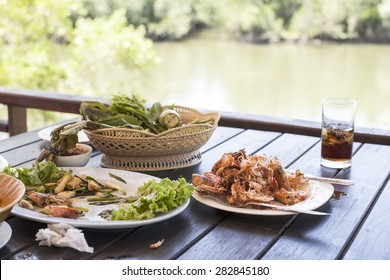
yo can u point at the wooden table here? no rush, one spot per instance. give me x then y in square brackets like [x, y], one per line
[358, 227]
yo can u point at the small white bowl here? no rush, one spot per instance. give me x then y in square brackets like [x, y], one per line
[75, 160]
[11, 191]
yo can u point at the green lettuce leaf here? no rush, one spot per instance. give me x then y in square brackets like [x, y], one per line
[39, 174]
[154, 198]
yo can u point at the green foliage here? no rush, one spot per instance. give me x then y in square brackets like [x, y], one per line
[285, 10]
[256, 21]
[163, 19]
[34, 34]
[50, 45]
[111, 40]
[369, 23]
[27, 32]
[253, 21]
[102, 48]
[173, 21]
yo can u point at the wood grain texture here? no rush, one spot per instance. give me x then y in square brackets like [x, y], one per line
[372, 240]
[17, 141]
[326, 238]
[44, 100]
[27, 153]
[178, 233]
[357, 228]
[23, 236]
[99, 240]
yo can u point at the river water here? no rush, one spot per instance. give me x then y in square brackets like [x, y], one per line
[284, 80]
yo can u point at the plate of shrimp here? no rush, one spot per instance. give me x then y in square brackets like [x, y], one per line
[238, 181]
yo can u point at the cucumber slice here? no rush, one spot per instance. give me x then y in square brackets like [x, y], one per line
[169, 119]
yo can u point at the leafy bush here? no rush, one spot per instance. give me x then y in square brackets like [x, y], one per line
[253, 21]
[256, 21]
[163, 19]
[50, 45]
[106, 45]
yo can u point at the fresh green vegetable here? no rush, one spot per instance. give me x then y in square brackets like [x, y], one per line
[39, 174]
[62, 139]
[117, 177]
[94, 111]
[115, 187]
[61, 186]
[123, 111]
[98, 198]
[153, 198]
[169, 119]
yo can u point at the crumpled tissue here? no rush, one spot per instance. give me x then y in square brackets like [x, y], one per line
[63, 235]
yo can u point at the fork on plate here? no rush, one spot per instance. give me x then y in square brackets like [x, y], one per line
[272, 206]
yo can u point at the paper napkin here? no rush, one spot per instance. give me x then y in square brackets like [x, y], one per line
[63, 235]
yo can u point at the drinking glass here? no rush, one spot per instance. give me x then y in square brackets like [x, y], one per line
[337, 132]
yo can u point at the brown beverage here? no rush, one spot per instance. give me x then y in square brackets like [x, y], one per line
[337, 140]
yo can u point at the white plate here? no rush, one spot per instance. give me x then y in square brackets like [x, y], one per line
[319, 194]
[45, 134]
[5, 234]
[3, 163]
[91, 218]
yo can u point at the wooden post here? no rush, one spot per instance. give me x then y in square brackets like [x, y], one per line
[3, 126]
[17, 120]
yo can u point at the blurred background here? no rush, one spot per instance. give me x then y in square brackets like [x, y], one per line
[267, 57]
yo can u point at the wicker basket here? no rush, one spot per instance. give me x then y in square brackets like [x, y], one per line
[132, 149]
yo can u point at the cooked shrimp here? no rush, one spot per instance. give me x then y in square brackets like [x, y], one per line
[43, 200]
[156, 245]
[62, 211]
[238, 179]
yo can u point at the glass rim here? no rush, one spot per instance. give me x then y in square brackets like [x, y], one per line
[338, 101]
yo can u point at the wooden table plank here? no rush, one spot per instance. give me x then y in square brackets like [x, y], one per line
[326, 238]
[98, 239]
[372, 240]
[220, 135]
[9, 144]
[24, 154]
[178, 233]
[23, 236]
[289, 147]
[238, 237]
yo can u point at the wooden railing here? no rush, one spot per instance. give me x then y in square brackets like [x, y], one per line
[18, 101]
